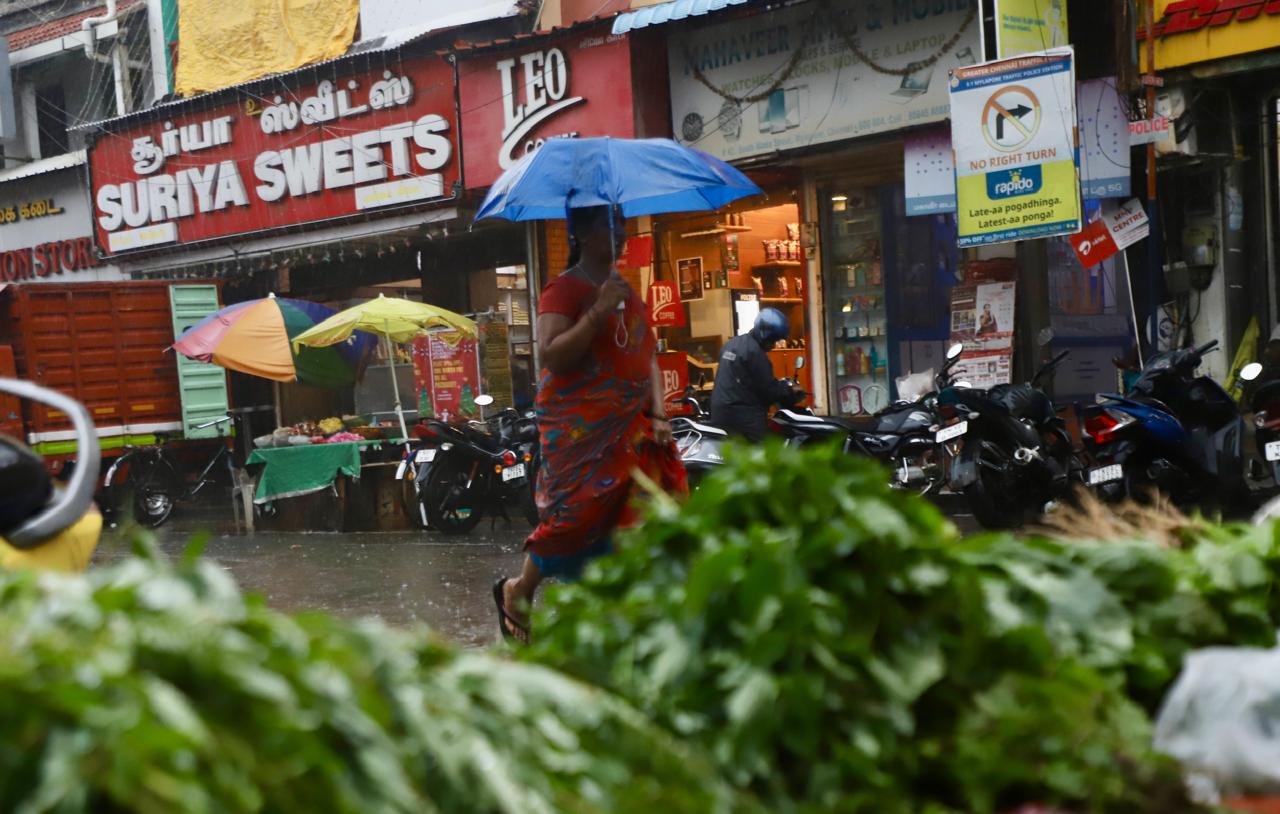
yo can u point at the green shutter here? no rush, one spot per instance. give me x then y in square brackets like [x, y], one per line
[203, 386]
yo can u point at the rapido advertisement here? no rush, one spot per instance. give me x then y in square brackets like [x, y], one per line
[1013, 129]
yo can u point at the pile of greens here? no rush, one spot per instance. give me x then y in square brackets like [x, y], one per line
[149, 688]
[835, 645]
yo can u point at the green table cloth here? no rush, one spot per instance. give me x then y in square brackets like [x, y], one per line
[295, 471]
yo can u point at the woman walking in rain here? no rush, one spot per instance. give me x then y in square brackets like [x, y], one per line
[600, 414]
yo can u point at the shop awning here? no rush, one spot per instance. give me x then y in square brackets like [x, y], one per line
[666, 12]
[58, 162]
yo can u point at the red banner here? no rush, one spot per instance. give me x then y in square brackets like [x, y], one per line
[665, 308]
[447, 377]
[345, 143]
[1093, 244]
[675, 378]
[512, 102]
[638, 252]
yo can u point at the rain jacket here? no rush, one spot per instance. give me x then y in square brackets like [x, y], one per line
[745, 388]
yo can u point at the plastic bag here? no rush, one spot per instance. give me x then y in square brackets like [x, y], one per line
[914, 385]
[1221, 720]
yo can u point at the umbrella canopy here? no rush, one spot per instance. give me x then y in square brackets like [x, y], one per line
[254, 337]
[644, 176]
[397, 319]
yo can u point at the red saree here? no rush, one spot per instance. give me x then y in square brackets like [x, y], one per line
[593, 430]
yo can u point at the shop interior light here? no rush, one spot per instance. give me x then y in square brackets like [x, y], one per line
[839, 198]
[848, 306]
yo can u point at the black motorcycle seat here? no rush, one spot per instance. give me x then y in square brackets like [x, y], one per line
[826, 423]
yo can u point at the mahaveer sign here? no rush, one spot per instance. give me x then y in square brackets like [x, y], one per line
[569, 87]
[351, 142]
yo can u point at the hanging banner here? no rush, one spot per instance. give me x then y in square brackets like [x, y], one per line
[1104, 140]
[929, 172]
[446, 376]
[1027, 26]
[674, 367]
[496, 352]
[1013, 131]
[1116, 230]
[665, 308]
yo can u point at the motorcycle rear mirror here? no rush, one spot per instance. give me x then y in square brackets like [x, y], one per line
[1044, 337]
[799, 363]
[484, 400]
[1251, 371]
[955, 350]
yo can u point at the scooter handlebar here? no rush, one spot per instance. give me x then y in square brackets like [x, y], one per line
[1206, 347]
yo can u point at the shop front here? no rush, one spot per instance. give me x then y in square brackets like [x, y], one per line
[816, 105]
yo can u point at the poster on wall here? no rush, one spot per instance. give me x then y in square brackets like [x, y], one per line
[838, 71]
[1025, 26]
[929, 173]
[1013, 126]
[982, 319]
[729, 257]
[689, 273]
[446, 376]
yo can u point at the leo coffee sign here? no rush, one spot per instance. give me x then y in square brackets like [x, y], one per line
[281, 155]
[513, 101]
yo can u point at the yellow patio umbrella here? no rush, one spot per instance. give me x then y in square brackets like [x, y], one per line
[399, 320]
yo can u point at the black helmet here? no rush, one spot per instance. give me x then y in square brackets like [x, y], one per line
[25, 485]
[771, 325]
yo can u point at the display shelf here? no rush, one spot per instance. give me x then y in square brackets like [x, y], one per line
[718, 229]
[779, 264]
[788, 300]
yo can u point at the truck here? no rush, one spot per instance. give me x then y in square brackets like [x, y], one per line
[107, 346]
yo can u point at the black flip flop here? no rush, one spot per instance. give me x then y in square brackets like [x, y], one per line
[504, 617]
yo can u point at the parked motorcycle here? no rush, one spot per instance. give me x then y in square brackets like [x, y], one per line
[901, 436]
[1010, 453]
[1174, 432]
[1265, 406]
[478, 468]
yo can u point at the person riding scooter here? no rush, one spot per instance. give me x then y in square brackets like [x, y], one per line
[745, 387]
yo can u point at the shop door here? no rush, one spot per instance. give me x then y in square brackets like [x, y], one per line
[202, 386]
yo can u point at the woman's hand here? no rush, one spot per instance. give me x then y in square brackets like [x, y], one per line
[613, 291]
[662, 430]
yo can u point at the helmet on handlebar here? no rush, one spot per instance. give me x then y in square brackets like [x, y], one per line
[771, 325]
[25, 486]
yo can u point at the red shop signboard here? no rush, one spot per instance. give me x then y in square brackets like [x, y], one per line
[349, 143]
[568, 87]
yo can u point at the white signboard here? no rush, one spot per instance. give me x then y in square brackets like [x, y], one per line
[1104, 140]
[1149, 131]
[1013, 128]
[791, 78]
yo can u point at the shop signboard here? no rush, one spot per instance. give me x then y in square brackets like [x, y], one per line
[1013, 127]
[333, 141]
[1024, 26]
[44, 231]
[1116, 230]
[1149, 131]
[513, 101]
[816, 72]
[665, 307]
[447, 376]
[1190, 31]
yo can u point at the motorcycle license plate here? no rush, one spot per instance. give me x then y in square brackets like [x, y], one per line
[1105, 474]
[1272, 451]
[954, 431]
[513, 472]
[424, 456]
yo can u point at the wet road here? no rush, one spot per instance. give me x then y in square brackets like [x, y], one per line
[405, 578]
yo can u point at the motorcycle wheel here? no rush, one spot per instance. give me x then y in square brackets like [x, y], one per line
[993, 496]
[452, 506]
[153, 497]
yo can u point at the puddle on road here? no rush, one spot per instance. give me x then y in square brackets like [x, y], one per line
[403, 577]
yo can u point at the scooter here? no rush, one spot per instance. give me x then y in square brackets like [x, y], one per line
[1010, 454]
[47, 527]
[480, 467]
[1174, 432]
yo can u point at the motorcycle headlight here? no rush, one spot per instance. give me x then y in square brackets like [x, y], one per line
[1260, 420]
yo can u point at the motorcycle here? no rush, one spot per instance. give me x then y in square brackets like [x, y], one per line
[1265, 405]
[1009, 452]
[478, 468]
[901, 436]
[47, 527]
[1174, 432]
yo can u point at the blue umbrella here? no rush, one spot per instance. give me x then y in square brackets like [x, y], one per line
[643, 176]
